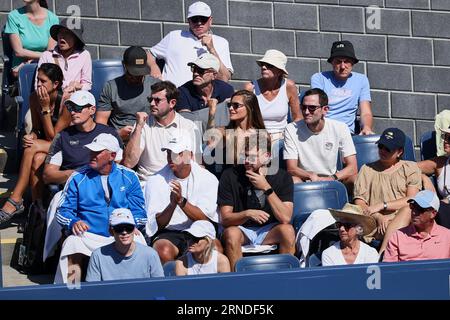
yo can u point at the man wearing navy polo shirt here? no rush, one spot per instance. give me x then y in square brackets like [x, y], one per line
[201, 98]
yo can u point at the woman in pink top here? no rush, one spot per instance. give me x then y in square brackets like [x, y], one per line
[70, 56]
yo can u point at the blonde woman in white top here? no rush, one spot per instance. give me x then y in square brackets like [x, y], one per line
[201, 256]
[276, 94]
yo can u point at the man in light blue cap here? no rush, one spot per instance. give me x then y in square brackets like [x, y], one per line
[423, 239]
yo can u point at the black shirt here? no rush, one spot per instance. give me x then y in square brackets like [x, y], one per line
[237, 191]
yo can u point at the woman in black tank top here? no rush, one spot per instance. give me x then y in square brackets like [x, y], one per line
[48, 118]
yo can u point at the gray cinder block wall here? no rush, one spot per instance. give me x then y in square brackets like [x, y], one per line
[403, 45]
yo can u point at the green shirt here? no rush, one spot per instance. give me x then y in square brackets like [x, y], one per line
[33, 37]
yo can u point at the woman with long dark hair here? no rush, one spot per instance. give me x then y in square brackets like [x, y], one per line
[48, 117]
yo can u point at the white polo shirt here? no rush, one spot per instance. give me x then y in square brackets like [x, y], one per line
[179, 47]
[154, 136]
[199, 188]
[318, 152]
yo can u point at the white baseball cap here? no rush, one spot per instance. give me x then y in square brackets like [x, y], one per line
[106, 141]
[121, 216]
[199, 9]
[82, 98]
[426, 199]
[178, 144]
[202, 228]
[207, 61]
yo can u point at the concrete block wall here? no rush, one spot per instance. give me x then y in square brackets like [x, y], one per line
[405, 53]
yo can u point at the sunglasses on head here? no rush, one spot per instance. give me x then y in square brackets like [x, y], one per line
[72, 107]
[198, 19]
[383, 147]
[120, 228]
[346, 225]
[311, 108]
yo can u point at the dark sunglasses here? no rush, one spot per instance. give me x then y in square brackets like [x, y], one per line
[445, 137]
[157, 100]
[193, 239]
[72, 107]
[383, 147]
[120, 228]
[235, 105]
[311, 108]
[199, 70]
[346, 225]
[198, 19]
[267, 65]
[416, 209]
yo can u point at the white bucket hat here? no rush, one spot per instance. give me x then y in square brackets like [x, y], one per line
[275, 58]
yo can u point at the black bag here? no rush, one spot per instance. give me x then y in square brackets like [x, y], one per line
[31, 249]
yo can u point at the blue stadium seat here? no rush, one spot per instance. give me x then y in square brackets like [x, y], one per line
[265, 263]
[367, 150]
[309, 196]
[102, 71]
[169, 269]
[428, 148]
[6, 73]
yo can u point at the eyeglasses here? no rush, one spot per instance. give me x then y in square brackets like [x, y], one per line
[416, 209]
[199, 70]
[157, 100]
[72, 107]
[383, 147]
[311, 108]
[197, 19]
[120, 228]
[346, 225]
[445, 137]
[235, 105]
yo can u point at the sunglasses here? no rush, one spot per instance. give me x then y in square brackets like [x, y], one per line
[311, 108]
[346, 225]
[198, 19]
[235, 105]
[416, 209]
[383, 147]
[193, 239]
[199, 70]
[72, 107]
[157, 100]
[120, 228]
[265, 64]
[445, 137]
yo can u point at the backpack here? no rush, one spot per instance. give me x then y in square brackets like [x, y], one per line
[30, 255]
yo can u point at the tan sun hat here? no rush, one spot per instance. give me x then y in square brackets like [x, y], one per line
[353, 213]
[275, 58]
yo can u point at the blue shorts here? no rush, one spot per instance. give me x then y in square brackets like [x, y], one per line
[256, 235]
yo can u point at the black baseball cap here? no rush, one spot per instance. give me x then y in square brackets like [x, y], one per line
[135, 59]
[342, 49]
[392, 138]
[74, 26]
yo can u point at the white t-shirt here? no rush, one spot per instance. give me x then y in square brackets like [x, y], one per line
[197, 268]
[199, 188]
[333, 255]
[319, 152]
[179, 47]
[154, 136]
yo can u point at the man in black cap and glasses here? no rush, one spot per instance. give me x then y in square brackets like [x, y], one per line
[126, 95]
[346, 90]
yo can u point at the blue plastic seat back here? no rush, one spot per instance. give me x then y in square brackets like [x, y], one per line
[310, 196]
[104, 70]
[428, 148]
[367, 149]
[26, 87]
[267, 262]
[169, 269]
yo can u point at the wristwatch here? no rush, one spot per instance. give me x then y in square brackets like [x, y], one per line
[183, 203]
[335, 177]
[45, 112]
[268, 192]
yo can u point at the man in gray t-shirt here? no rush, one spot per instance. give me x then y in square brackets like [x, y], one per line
[123, 96]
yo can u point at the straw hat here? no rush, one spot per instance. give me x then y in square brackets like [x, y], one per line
[275, 58]
[353, 214]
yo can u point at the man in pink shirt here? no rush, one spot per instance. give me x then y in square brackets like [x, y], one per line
[423, 239]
